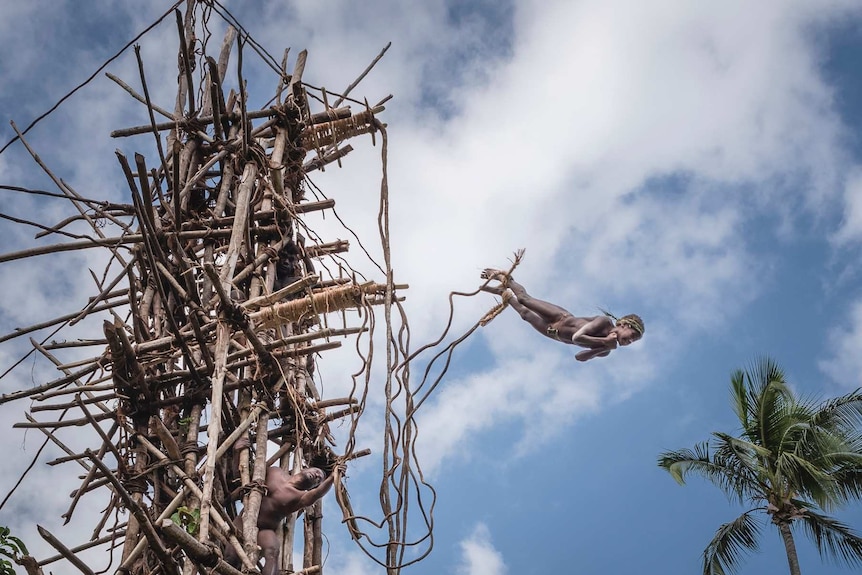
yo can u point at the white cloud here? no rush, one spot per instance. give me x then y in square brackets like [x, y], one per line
[348, 562]
[843, 361]
[851, 226]
[479, 556]
[540, 392]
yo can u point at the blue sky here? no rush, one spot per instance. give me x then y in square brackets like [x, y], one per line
[700, 166]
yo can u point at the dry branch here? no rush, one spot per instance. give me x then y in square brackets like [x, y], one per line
[64, 551]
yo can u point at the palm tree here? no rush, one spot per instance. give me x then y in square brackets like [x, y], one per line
[795, 459]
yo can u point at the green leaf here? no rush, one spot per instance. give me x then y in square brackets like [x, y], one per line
[188, 519]
[730, 542]
[833, 538]
[20, 544]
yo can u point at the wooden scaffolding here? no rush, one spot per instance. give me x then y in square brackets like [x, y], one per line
[215, 313]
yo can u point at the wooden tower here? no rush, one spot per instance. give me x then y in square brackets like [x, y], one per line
[215, 310]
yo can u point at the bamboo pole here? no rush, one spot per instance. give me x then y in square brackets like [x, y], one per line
[255, 496]
[222, 340]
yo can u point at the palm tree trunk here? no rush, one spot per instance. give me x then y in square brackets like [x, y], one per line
[790, 547]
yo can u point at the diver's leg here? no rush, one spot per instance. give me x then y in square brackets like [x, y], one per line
[550, 312]
[538, 313]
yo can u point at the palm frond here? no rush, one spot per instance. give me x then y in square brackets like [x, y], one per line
[726, 472]
[841, 413]
[742, 457]
[762, 373]
[742, 448]
[730, 542]
[796, 425]
[739, 394]
[833, 538]
[769, 397]
[849, 483]
[802, 476]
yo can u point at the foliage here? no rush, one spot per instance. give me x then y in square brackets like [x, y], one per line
[188, 519]
[11, 547]
[792, 459]
[184, 424]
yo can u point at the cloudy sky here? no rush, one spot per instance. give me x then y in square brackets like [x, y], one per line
[699, 164]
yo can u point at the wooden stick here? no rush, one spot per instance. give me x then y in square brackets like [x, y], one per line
[199, 552]
[57, 442]
[56, 362]
[252, 503]
[328, 157]
[95, 385]
[104, 294]
[298, 69]
[65, 367]
[59, 424]
[287, 353]
[30, 565]
[233, 117]
[57, 406]
[62, 319]
[75, 343]
[138, 97]
[240, 429]
[214, 96]
[187, 67]
[339, 414]
[50, 385]
[274, 297]
[324, 403]
[64, 551]
[279, 344]
[130, 239]
[285, 447]
[220, 353]
[55, 229]
[106, 444]
[224, 53]
[362, 75]
[92, 486]
[84, 546]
